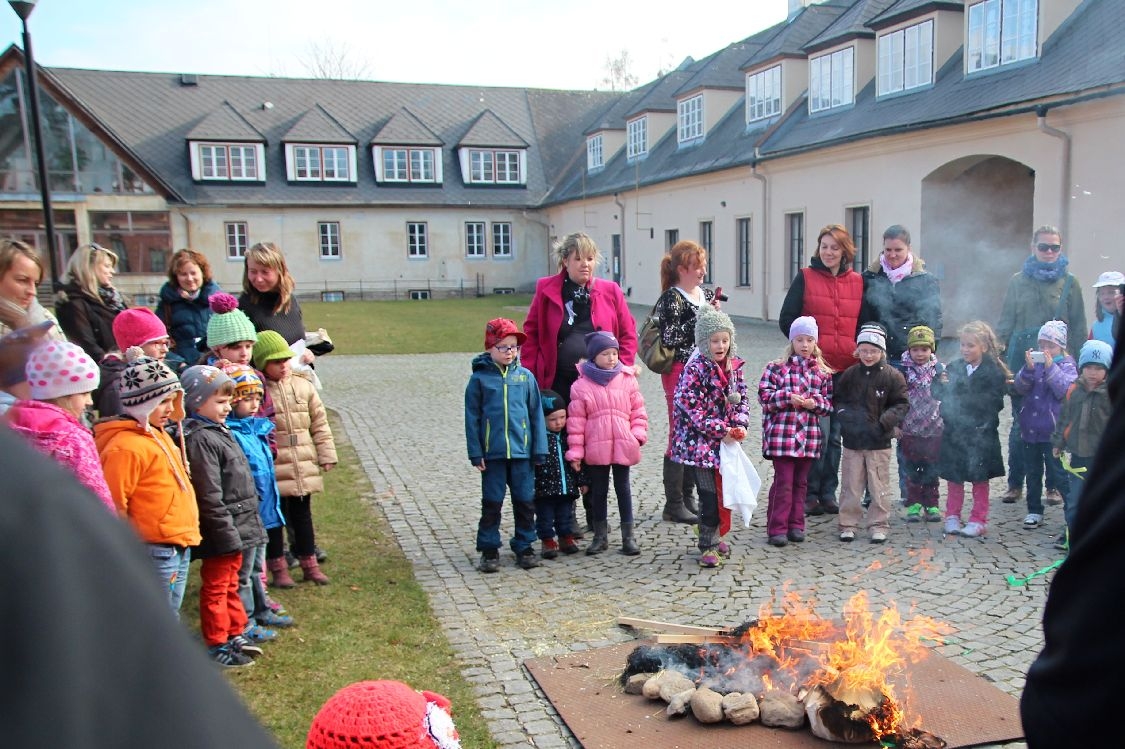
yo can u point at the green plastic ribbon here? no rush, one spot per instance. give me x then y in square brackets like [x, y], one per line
[1018, 581]
[1071, 469]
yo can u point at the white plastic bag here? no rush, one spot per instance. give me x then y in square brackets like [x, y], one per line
[300, 368]
[741, 482]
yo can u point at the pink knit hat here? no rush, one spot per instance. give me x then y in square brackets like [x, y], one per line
[59, 368]
[383, 715]
[137, 326]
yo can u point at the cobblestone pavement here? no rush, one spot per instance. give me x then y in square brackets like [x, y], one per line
[404, 414]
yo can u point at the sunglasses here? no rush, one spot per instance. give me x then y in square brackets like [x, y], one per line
[1044, 247]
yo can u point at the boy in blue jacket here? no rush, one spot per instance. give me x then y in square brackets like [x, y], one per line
[505, 434]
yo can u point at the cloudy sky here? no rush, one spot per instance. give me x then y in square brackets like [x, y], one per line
[561, 44]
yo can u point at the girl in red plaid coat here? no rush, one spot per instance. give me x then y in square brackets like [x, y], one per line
[795, 391]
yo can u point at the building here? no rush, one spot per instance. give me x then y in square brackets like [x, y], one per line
[969, 121]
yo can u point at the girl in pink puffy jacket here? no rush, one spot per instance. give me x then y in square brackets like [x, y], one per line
[606, 426]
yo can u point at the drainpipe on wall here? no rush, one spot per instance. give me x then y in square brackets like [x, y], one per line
[187, 229]
[765, 236]
[547, 227]
[1064, 197]
[621, 220]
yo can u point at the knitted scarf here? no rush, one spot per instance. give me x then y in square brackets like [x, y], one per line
[899, 273]
[601, 376]
[1037, 270]
[111, 298]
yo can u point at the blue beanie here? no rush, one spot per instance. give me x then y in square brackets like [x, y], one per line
[1095, 352]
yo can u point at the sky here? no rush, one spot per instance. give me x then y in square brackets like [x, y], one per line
[525, 43]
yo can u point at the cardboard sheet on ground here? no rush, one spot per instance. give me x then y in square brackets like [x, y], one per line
[955, 704]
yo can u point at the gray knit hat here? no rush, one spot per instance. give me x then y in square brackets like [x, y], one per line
[200, 383]
[144, 383]
[709, 321]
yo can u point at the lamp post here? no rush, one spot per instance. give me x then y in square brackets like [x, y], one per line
[23, 9]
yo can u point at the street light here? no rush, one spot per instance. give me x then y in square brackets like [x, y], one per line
[23, 9]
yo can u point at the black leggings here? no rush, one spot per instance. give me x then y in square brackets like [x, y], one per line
[599, 492]
[298, 516]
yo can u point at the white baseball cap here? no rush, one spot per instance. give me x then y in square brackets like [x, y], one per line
[1110, 278]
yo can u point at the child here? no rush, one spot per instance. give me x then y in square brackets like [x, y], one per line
[971, 393]
[228, 514]
[1105, 306]
[1082, 420]
[870, 399]
[504, 434]
[921, 429]
[305, 449]
[252, 432]
[15, 348]
[383, 715]
[137, 326]
[557, 484]
[608, 426]
[147, 475]
[1043, 381]
[61, 377]
[710, 408]
[794, 392]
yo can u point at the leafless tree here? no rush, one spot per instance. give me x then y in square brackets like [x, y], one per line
[334, 61]
[618, 75]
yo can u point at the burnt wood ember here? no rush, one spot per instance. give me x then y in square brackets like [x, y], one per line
[915, 738]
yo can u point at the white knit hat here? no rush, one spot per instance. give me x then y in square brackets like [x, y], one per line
[59, 368]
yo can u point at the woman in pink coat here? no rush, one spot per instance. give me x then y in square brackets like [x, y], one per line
[606, 426]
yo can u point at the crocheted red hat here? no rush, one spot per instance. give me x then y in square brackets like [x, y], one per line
[383, 715]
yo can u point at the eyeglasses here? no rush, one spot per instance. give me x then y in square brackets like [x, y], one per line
[1044, 247]
[506, 349]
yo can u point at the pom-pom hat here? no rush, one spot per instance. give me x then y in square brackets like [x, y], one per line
[599, 341]
[804, 326]
[59, 368]
[271, 347]
[383, 715]
[200, 383]
[136, 327]
[1095, 352]
[228, 324]
[246, 381]
[708, 322]
[499, 329]
[920, 335]
[1054, 331]
[144, 383]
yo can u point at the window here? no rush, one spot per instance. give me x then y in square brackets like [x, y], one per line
[706, 231]
[691, 118]
[329, 232]
[638, 137]
[742, 240]
[320, 163]
[417, 243]
[228, 161]
[237, 243]
[1001, 32]
[474, 239]
[496, 167]
[859, 226]
[595, 158]
[408, 165]
[831, 80]
[795, 242]
[906, 58]
[138, 238]
[502, 239]
[763, 94]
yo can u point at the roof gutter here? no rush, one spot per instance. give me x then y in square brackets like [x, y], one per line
[1064, 193]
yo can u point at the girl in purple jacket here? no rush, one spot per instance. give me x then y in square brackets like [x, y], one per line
[795, 391]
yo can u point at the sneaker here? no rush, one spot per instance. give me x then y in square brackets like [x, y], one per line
[933, 515]
[242, 644]
[724, 549]
[1032, 520]
[568, 546]
[914, 513]
[952, 525]
[1052, 497]
[1062, 543]
[847, 535]
[228, 658]
[710, 559]
[490, 561]
[878, 537]
[275, 606]
[256, 633]
[526, 559]
[778, 541]
[291, 560]
[273, 619]
[320, 554]
[796, 535]
[1013, 495]
[973, 529]
[551, 548]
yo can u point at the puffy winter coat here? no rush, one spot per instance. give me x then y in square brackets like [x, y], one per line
[788, 431]
[1083, 419]
[702, 413]
[898, 307]
[304, 439]
[1043, 389]
[224, 490]
[186, 319]
[924, 417]
[870, 402]
[86, 320]
[970, 413]
[606, 424]
[58, 434]
[837, 304]
[253, 434]
[503, 417]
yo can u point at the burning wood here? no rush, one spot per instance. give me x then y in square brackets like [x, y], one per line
[792, 667]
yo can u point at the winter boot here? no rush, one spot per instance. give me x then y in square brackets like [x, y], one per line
[628, 543]
[588, 512]
[568, 546]
[311, 570]
[688, 492]
[600, 541]
[280, 569]
[674, 510]
[574, 520]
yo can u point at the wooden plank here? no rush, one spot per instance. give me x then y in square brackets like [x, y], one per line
[692, 639]
[629, 621]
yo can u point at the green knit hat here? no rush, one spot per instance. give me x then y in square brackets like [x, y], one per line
[228, 324]
[270, 347]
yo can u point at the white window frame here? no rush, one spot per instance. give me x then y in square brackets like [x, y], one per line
[405, 164]
[496, 166]
[328, 233]
[638, 137]
[310, 162]
[228, 162]
[832, 80]
[475, 243]
[1000, 32]
[417, 240]
[595, 155]
[689, 116]
[763, 94]
[237, 239]
[906, 58]
[502, 244]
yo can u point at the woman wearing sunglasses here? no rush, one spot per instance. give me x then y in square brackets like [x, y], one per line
[88, 301]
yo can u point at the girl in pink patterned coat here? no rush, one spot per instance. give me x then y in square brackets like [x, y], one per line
[61, 377]
[794, 392]
[606, 426]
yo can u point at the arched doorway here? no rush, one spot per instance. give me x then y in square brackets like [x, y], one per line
[977, 218]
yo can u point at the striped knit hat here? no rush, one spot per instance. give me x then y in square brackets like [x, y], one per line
[144, 383]
[246, 381]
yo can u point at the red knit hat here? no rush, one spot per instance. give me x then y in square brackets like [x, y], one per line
[383, 715]
[499, 329]
[137, 326]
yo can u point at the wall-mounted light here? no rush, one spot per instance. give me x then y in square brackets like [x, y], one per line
[723, 203]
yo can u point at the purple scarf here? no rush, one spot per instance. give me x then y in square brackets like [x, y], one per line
[601, 376]
[1045, 272]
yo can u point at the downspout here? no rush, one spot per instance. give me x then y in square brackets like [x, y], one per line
[1064, 196]
[765, 235]
[547, 227]
[621, 220]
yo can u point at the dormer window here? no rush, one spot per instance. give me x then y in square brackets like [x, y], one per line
[317, 163]
[494, 166]
[763, 94]
[906, 58]
[228, 162]
[638, 137]
[403, 164]
[1001, 32]
[595, 153]
[831, 80]
[690, 118]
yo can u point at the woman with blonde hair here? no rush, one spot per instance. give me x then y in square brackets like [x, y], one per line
[21, 270]
[267, 293]
[88, 301]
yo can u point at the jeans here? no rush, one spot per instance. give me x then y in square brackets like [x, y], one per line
[1037, 457]
[1016, 469]
[552, 516]
[250, 588]
[1077, 483]
[500, 475]
[824, 477]
[171, 564]
[599, 492]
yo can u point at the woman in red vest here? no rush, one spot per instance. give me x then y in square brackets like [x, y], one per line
[832, 292]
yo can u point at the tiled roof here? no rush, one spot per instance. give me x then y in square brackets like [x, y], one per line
[225, 123]
[788, 39]
[905, 9]
[852, 23]
[662, 96]
[404, 129]
[489, 131]
[317, 126]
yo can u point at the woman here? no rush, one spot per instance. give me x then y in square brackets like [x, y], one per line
[681, 274]
[184, 303]
[267, 293]
[567, 306]
[88, 302]
[832, 293]
[898, 293]
[21, 270]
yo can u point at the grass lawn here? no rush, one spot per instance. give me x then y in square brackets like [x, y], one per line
[412, 327]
